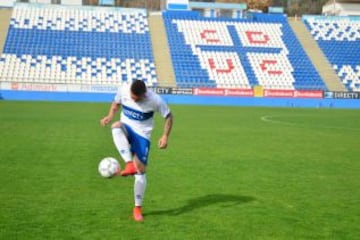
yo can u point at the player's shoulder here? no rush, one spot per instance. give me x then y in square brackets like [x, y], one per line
[124, 88]
[152, 96]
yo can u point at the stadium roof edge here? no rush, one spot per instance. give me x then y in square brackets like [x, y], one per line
[204, 5]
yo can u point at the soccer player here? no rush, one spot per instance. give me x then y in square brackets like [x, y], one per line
[132, 133]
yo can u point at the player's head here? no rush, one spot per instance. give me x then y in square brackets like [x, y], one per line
[138, 90]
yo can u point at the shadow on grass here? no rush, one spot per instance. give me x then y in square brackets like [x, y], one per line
[200, 202]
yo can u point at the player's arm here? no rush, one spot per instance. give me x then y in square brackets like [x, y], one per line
[112, 111]
[167, 129]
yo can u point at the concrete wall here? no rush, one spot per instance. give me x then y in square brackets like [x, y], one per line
[7, 3]
[185, 99]
[342, 9]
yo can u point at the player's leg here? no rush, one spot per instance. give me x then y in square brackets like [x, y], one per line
[123, 146]
[139, 189]
[141, 148]
[140, 166]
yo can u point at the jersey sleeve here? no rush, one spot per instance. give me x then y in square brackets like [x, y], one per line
[117, 97]
[162, 107]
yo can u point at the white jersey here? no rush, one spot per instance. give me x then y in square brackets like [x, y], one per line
[140, 115]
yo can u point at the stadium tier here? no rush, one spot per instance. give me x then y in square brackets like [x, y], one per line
[261, 50]
[339, 39]
[77, 45]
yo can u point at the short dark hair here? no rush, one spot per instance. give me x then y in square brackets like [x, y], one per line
[138, 88]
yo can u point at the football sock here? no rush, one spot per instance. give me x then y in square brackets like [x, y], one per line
[139, 188]
[122, 144]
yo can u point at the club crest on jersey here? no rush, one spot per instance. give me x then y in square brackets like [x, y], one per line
[137, 115]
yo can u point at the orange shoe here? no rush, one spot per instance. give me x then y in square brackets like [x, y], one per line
[130, 169]
[137, 214]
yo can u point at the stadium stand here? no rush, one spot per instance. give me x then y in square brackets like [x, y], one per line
[339, 39]
[106, 46]
[238, 53]
[77, 45]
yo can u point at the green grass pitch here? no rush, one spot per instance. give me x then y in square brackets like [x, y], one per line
[229, 173]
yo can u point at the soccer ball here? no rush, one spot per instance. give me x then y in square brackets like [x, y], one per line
[108, 167]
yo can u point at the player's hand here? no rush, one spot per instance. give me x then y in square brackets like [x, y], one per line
[163, 142]
[105, 121]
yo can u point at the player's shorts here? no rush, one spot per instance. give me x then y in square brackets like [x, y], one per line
[139, 145]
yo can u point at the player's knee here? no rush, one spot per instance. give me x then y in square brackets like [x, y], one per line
[141, 170]
[140, 167]
[116, 125]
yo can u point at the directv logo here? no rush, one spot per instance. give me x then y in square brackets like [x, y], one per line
[328, 94]
[136, 115]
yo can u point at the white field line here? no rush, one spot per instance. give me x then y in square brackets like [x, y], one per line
[270, 119]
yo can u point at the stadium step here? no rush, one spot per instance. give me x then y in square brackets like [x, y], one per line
[316, 56]
[5, 15]
[163, 63]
